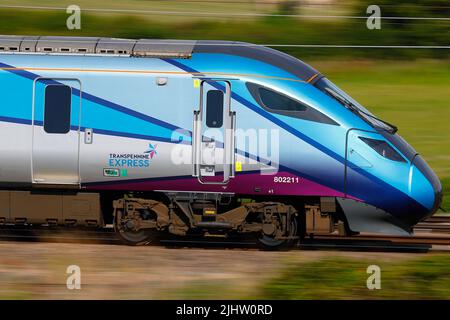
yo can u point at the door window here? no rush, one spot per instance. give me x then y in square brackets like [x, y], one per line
[57, 108]
[214, 109]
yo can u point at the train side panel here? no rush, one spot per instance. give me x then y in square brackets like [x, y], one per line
[15, 129]
[137, 126]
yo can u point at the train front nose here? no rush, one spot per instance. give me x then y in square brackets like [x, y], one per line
[425, 188]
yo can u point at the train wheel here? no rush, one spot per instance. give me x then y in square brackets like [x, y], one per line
[126, 232]
[268, 241]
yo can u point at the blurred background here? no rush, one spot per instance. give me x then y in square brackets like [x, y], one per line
[401, 72]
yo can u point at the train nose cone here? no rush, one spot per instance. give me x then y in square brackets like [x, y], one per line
[425, 186]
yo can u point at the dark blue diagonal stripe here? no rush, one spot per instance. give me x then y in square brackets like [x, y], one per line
[98, 131]
[15, 120]
[95, 99]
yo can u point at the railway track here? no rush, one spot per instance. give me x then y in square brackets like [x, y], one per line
[432, 234]
[435, 224]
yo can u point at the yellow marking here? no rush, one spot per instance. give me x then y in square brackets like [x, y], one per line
[209, 212]
[196, 83]
[238, 166]
[312, 78]
[231, 75]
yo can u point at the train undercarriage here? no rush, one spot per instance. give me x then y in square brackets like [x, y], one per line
[141, 218]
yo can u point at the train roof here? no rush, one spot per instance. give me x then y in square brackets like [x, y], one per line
[157, 48]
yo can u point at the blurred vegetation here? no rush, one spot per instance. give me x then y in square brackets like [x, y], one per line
[410, 31]
[446, 201]
[335, 277]
[255, 29]
[426, 278]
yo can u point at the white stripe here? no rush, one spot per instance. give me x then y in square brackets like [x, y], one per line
[224, 14]
[238, 44]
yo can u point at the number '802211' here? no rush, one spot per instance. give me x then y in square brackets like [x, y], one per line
[286, 179]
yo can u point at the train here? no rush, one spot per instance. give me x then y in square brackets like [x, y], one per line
[197, 138]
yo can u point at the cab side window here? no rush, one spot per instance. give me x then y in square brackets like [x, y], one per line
[279, 102]
[276, 102]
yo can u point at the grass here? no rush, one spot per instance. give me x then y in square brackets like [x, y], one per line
[338, 278]
[335, 277]
[446, 201]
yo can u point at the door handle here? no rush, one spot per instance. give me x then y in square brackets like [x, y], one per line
[88, 135]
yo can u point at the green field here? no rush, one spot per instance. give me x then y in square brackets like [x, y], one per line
[338, 276]
[424, 278]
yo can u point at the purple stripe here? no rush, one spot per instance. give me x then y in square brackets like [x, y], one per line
[243, 183]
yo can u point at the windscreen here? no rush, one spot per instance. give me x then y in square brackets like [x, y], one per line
[343, 98]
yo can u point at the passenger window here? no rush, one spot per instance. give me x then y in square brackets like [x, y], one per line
[57, 108]
[279, 103]
[214, 108]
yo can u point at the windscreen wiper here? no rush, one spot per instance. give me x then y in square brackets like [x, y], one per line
[394, 128]
[354, 109]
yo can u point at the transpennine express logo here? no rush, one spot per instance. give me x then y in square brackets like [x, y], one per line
[151, 150]
[133, 160]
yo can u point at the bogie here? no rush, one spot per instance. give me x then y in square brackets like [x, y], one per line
[273, 223]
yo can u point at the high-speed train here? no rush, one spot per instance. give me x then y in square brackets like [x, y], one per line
[196, 138]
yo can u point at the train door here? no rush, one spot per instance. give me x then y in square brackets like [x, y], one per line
[56, 130]
[213, 141]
